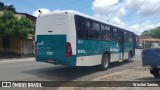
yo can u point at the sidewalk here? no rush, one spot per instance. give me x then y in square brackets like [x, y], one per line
[15, 56]
[13, 59]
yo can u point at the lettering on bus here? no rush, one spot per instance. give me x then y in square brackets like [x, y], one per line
[41, 43]
[80, 41]
[115, 49]
[81, 51]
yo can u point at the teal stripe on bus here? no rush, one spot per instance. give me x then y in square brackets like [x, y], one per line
[95, 47]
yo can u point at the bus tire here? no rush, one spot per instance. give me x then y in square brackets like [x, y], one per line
[129, 57]
[155, 73]
[105, 62]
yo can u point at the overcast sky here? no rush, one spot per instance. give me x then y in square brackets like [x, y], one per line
[135, 15]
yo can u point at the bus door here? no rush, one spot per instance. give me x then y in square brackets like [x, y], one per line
[121, 45]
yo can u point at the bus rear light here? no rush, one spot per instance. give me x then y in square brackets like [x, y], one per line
[68, 50]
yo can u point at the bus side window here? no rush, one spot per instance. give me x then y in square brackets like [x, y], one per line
[125, 37]
[88, 25]
[130, 37]
[103, 35]
[111, 36]
[80, 26]
[96, 31]
[89, 33]
[102, 27]
[81, 34]
[115, 34]
[119, 36]
[107, 32]
[96, 26]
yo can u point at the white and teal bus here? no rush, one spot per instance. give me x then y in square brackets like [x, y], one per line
[75, 39]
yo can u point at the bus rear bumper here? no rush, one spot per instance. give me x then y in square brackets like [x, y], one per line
[69, 61]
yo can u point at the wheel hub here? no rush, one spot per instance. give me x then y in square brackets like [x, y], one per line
[106, 62]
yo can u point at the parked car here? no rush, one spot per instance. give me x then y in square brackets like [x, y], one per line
[151, 57]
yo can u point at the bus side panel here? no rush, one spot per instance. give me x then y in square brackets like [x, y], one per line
[127, 47]
[89, 52]
[71, 33]
[115, 51]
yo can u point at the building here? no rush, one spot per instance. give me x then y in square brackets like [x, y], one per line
[28, 45]
[147, 41]
[19, 46]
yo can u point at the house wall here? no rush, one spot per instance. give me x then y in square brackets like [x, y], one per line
[19, 16]
[1, 45]
[28, 47]
[16, 46]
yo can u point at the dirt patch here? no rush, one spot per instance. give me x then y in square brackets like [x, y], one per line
[137, 73]
[134, 74]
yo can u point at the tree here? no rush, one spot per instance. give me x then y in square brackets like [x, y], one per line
[155, 33]
[10, 25]
[146, 33]
[8, 8]
[1, 6]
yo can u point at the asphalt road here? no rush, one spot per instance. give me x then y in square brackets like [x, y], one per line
[38, 71]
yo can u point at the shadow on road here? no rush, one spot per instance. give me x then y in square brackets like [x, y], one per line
[116, 64]
[64, 73]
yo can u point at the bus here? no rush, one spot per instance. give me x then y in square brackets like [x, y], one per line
[75, 39]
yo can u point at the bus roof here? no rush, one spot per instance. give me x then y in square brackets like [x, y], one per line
[83, 15]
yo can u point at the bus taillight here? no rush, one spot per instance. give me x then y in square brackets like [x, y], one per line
[68, 50]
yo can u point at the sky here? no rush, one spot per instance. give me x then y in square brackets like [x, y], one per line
[134, 15]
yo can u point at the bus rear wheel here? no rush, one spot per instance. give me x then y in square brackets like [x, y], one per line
[129, 57]
[105, 62]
